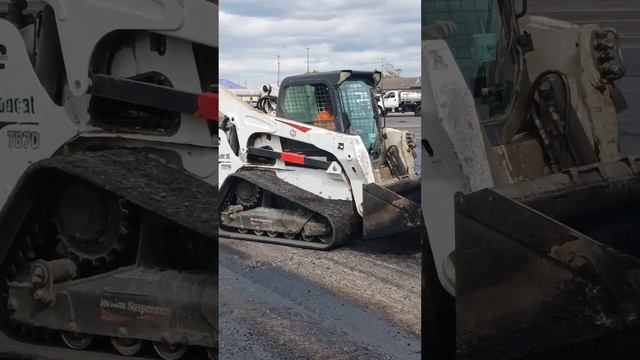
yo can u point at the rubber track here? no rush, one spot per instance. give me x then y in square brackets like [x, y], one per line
[339, 212]
[143, 179]
[148, 182]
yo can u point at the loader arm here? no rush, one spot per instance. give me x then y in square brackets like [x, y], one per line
[454, 142]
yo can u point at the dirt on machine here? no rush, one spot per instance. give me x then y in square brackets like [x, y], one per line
[529, 208]
[108, 198]
[315, 167]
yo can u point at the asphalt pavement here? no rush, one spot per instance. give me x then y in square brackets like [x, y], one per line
[284, 303]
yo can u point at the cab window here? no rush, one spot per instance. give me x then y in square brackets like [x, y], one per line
[482, 47]
[310, 104]
[356, 98]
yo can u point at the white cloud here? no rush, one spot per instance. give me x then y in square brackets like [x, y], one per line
[341, 34]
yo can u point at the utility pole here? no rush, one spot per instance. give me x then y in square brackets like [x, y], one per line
[278, 81]
[307, 60]
[382, 79]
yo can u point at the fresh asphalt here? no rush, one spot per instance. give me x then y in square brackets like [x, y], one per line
[267, 312]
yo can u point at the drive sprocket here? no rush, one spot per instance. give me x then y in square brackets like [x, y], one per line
[247, 194]
[91, 223]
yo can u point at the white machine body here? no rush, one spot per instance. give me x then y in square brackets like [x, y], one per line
[33, 127]
[344, 178]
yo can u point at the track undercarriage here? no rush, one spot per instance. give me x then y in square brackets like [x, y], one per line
[258, 206]
[124, 270]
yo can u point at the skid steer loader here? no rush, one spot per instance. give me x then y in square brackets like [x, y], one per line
[318, 171]
[531, 213]
[108, 147]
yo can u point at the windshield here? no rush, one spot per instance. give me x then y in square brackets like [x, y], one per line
[477, 38]
[356, 99]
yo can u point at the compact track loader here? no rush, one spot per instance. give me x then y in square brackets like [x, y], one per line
[320, 170]
[530, 211]
[108, 148]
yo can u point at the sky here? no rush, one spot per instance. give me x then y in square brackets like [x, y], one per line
[340, 34]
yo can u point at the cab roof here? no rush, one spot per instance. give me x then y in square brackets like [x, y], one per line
[333, 78]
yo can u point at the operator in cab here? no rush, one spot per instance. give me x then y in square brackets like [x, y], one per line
[326, 119]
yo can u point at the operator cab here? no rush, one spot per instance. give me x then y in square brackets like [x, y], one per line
[547, 106]
[342, 101]
[483, 44]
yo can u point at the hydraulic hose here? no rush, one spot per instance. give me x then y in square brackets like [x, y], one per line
[566, 116]
[266, 103]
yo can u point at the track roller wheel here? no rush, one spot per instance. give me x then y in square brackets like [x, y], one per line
[76, 341]
[308, 238]
[170, 352]
[126, 347]
[258, 232]
[290, 236]
[272, 234]
[326, 239]
[242, 231]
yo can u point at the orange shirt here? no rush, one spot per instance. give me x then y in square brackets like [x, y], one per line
[326, 120]
[325, 115]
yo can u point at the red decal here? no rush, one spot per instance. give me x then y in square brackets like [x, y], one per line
[208, 106]
[111, 317]
[148, 317]
[304, 129]
[292, 158]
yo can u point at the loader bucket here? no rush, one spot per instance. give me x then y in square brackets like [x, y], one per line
[550, 265]
[392, 209]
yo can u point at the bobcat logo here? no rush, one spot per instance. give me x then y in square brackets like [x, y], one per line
[3, 56]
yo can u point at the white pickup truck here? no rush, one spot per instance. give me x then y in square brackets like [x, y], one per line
[400, 101]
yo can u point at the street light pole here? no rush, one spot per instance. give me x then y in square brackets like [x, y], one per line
[307, 60]
[382, 70]
[278, 81]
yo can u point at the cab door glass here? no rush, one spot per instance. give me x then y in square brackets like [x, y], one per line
[356, 98]
[310, 104]
[482, 47]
